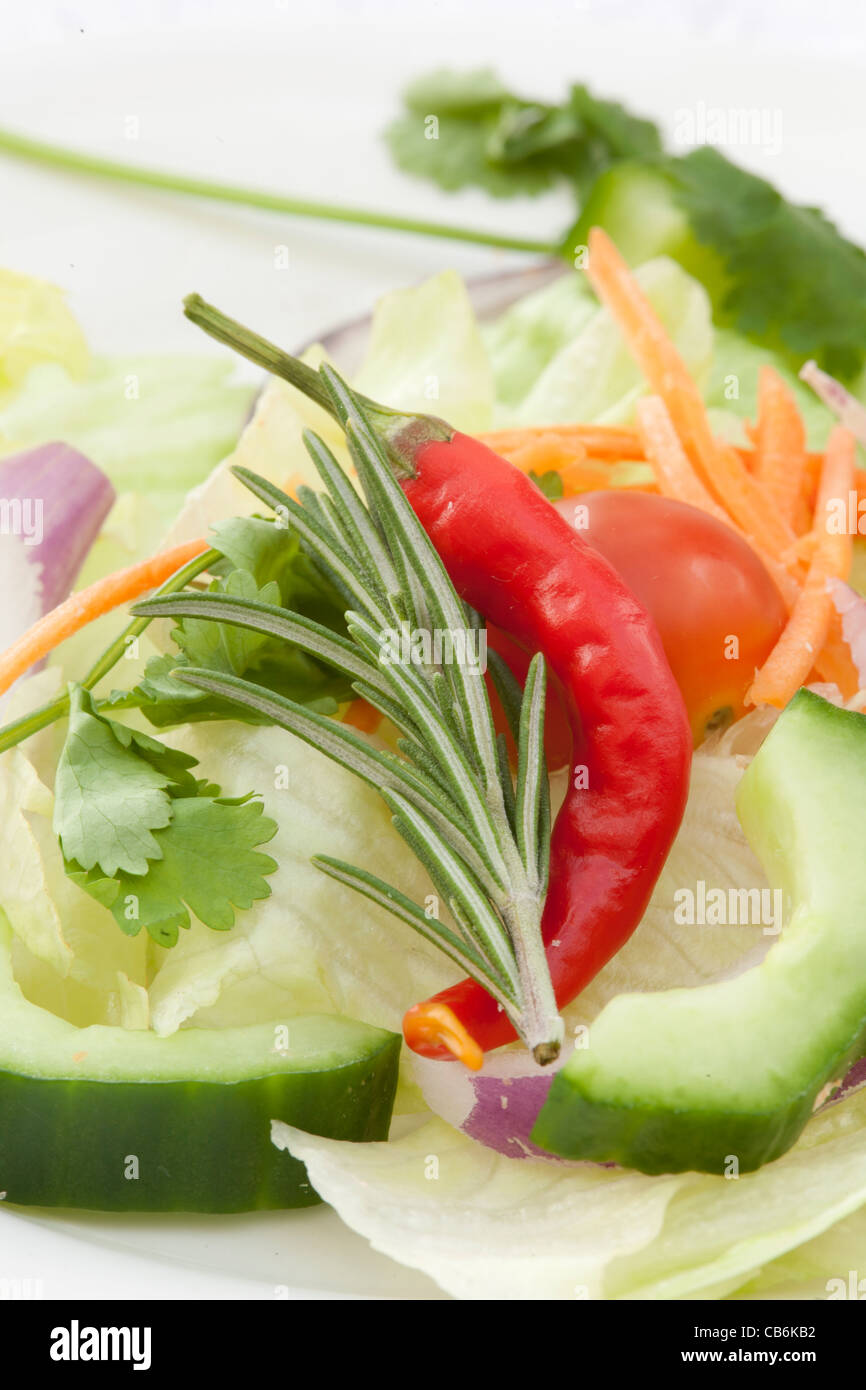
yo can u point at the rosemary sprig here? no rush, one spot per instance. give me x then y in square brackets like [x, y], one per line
[483, 840]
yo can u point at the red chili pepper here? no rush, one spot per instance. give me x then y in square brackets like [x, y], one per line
[514, 559]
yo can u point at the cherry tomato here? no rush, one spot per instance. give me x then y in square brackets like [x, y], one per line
[717, 610]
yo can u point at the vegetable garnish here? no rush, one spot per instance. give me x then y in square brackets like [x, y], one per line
[685, 1078]
[54, 502]
[780, 448]
[513, 558]
[678, 560]
[145, 838]
[719, 467]
[28, 724]
[718, 221]
[79, 610]
[484, 841]
[798, 648]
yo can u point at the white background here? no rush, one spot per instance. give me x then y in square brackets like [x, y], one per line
[291, 95]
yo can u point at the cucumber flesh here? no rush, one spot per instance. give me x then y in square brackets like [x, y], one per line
[635, 203]
[117, 1120]
[697, 1078]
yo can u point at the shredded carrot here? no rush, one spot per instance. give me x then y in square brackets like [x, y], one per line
[836, 664]
[544, 451]
[362, 716]
[811, 478]
[808, 628]
[718, 465]
[91, 603]
[780, 443]
[607, 442]
[435, 1023]
[677, 478]
[673, 468]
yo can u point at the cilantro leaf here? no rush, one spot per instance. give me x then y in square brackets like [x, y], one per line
[264, 561]
[454, 154]
[108, 799]
[225, 647]
[623, 135]
[549, 483]
[455, 93]
[467, 129]
[231, 650]
[209, 865]
[790, 279]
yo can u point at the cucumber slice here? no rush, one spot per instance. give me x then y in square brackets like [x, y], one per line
[115, 1120]
[636, 206]
[695, 1078]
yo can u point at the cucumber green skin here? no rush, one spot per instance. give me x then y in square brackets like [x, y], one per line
[200, 1146]
[656, 1140]
[111, 1119]
[691, 1079]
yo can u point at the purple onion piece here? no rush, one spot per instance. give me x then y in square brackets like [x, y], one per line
[851, 608]
[499, 1105]
[53, 502]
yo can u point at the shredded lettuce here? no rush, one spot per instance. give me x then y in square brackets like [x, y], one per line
[426, 353]
[313, 945]
[36, 326]
[154, 425]
[523, 340]
[594, 377]
[487, 1227]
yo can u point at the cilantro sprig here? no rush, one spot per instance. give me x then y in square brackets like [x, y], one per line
[780, 273]
[145, 837]
[467, 130]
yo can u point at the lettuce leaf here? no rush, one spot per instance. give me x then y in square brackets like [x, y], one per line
[487, 1227]
[36, 326]
[426, 353]
[594, 377]
[313, 945]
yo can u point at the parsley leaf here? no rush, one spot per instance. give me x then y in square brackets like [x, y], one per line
[108, 798]
[209, 865]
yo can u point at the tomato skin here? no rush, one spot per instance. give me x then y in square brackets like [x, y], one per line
[717, 610]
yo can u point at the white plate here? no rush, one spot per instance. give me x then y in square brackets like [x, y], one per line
[267, 99]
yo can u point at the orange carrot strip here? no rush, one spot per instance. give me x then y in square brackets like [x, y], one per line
[719, 466]
[91, 603]
[673, 468]
[807, 630]
[362, 716]
[677, 478]
[607, 442]
[836, 664]
[780, 443]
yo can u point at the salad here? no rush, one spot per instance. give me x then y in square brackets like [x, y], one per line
[434, 788]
